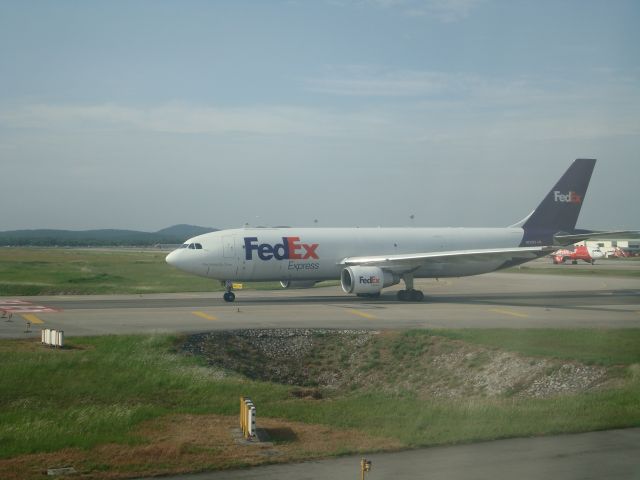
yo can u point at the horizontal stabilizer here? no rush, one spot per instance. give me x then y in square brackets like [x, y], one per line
[568, 239]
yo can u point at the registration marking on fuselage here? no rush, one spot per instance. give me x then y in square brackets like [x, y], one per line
[206, 316]
[509, 312]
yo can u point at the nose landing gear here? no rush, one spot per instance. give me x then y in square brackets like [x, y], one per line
[229, 296]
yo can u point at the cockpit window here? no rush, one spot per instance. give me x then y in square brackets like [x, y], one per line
[192, 246]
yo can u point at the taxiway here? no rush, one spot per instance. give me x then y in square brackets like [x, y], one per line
[515, 300]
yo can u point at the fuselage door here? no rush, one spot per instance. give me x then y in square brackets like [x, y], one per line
[228, 247]
[231, 255]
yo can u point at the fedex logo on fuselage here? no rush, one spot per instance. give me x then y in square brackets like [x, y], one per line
[571, 197]
[289, 249]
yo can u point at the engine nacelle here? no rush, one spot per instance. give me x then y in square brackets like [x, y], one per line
[297, 283]
[366, 280]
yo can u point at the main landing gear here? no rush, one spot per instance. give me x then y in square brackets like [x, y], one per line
[229, 296]
[410, 294]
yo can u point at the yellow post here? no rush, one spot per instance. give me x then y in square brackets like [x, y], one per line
[365, 466]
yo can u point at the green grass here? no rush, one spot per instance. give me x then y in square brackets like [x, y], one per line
[100, 389]
[595, 271]
[52, 271]
[590, 346]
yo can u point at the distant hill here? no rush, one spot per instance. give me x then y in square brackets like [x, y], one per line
[184, 231]
[101, 238]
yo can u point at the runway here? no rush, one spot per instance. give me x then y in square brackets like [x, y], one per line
[514, 300]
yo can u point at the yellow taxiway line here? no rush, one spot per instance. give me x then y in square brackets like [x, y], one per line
[509, 312]
[360, 314]
[206, 316]
[30, 317]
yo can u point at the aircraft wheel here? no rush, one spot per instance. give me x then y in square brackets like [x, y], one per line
[410, 295]
[229, 296]
[574, 262]
[417, 296]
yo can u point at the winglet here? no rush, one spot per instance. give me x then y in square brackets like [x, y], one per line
[559, 210]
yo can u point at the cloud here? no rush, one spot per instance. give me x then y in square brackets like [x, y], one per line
[364, 81]
[180, 118]
[167, 118]
[395, 106]
[445, 11]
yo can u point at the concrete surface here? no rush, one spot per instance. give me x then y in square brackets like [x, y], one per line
[612, 454]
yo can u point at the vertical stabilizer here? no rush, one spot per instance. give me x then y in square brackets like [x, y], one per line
[559, 210]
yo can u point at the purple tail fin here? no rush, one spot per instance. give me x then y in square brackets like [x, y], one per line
[559, 210]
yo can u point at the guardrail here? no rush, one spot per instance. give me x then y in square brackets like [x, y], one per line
[247, 417]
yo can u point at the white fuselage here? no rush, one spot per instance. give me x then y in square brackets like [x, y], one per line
[316, 253]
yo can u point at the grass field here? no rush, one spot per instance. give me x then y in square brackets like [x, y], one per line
[589, 346]
[52, 271]
[596, 271]
[123, 405]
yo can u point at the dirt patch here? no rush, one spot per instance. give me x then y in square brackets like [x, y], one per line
[190, 443]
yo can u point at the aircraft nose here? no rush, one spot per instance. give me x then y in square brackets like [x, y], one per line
[171, 258]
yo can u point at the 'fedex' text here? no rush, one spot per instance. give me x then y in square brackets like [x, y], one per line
[289, 249]
[571, 197]
[370, 280]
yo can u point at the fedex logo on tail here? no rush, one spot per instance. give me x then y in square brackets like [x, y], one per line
[571, 197]
[289, 249]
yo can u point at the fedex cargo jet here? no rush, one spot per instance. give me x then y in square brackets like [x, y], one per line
[366, 260]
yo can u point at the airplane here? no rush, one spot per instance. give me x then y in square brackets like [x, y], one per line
[367, 260]
[580, 252]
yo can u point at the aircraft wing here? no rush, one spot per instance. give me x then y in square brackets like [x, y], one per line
[410, 261]
[567, 238]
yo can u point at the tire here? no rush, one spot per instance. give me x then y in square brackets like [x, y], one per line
[417, 296]
[229, 297]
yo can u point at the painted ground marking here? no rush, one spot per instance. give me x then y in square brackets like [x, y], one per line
[509, 312]
[30, 317]
[361, 314]
[206, 316]
[20, 306]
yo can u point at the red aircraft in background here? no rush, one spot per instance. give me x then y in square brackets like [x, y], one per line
[580, 252]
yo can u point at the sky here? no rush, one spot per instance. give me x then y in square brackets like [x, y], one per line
[141, 114]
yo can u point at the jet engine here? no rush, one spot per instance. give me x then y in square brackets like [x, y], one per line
[297, 283]
[366, 280]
